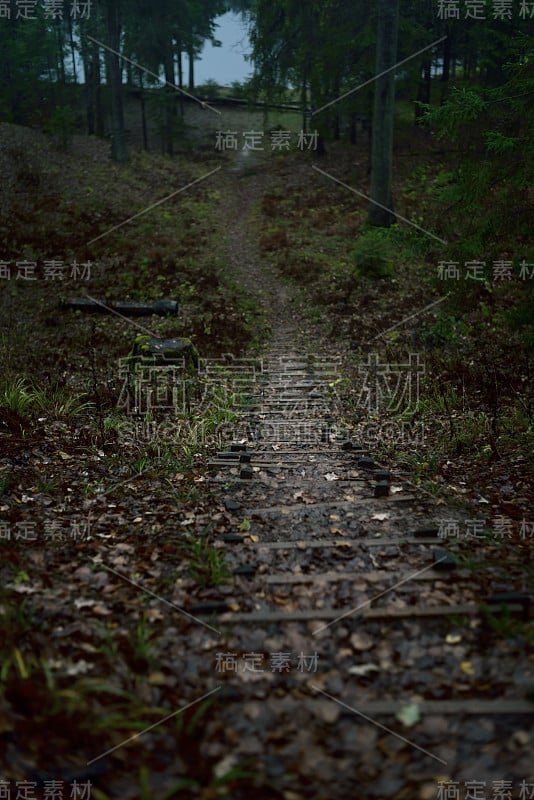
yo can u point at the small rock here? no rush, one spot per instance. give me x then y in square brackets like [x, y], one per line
[427, 792]
[231, 505]
[274, 766]
[326, 710]
[381, 489]
[482, 731]
[520, 738]
[334, 685]
[361, 641]
[382, 475]
[425, 533]
[246, 571]
[443, 560]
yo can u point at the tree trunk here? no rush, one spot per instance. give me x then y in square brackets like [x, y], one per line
[317, 100]
[144, 126]
[180, 65]
[353, 127]
[424, 86]
[446, 71]
[170, 107]
[383, 116]
[60, 52]
[88, 84]
[119, 151]
[180, 75]
[72, 49]
[191, 56]
[304, 103]
[97, 92]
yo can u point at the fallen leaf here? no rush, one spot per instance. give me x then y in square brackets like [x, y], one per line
[281, 601]
[21, 588]
[467, 668]
[79, 668]
[326, 710]
[361, 641]
[157, 679]
[363, 669]
[153, 614]
[84, 602]
[409, 715]
[101, 611]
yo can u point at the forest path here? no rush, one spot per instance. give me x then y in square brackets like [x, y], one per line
[342, 662]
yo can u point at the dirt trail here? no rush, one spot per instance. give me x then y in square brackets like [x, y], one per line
[345, 656]
[344, 667]
[245, 182]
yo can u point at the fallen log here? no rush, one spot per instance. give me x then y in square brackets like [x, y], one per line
[128, 308]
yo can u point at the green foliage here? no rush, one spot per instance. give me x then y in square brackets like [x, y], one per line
[209, 88]
[143, 641]
[240, 90]
[520, 317]
[373, 254]
[445, 330]
[61, 125]
[455, 117]
[21, 397]
[17, 396]
[497, 142]
[506, 626]
[207, 564]
[5, 482]
[488, 205]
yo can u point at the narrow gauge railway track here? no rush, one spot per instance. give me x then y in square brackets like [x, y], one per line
[353, 623]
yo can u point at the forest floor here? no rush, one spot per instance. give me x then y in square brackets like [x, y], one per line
[170, 618]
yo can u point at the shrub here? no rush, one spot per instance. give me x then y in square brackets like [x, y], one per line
[373, 254]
